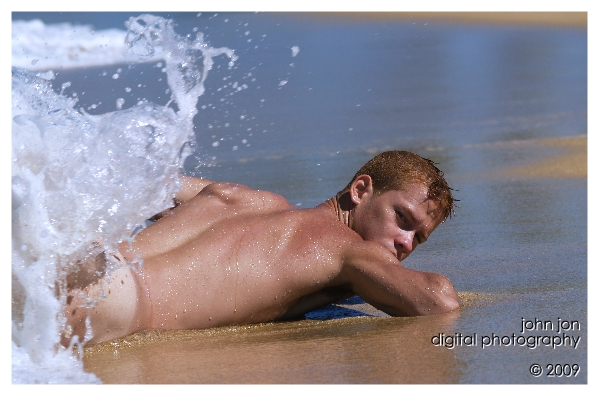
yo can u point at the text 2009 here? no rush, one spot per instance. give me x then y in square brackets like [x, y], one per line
[558, 370]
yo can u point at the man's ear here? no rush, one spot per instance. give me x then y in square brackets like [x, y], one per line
[362, 185]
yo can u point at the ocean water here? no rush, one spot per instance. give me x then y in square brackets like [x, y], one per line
[295, 104]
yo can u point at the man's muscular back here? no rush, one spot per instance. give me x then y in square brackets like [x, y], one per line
[235, 255]
[197, 212]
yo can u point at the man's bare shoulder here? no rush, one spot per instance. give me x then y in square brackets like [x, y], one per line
[235, 194]
[326, 227]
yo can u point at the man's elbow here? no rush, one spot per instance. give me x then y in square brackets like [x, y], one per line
[437, 296]
[448, 303]
[445, 298]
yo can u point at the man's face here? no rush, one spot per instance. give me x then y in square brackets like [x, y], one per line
[399, 220]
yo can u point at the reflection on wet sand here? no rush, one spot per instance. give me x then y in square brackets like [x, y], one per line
[559, 157]
[570, 162]
[363, 349]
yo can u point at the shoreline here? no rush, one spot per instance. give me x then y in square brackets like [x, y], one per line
[545, 18]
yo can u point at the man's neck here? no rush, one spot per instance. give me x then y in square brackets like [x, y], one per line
[341, 206]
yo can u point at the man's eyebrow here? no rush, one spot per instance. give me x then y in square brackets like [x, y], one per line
[408, 211]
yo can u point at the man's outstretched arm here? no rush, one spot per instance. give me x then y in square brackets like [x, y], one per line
[378, 278]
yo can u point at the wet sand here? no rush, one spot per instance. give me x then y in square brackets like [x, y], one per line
[570, 162]
[368, 347]
[362, 343]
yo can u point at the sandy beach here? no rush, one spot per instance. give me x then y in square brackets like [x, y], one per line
[569, 162]
[498, 100]
[362, 349]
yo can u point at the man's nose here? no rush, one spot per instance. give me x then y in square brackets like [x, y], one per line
[404, 242]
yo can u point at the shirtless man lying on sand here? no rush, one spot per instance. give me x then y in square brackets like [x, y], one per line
[231, 255]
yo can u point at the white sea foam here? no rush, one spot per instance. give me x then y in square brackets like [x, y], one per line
[81, 183]
[37, 46]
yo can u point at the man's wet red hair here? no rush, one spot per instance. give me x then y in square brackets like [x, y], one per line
[396, 170]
